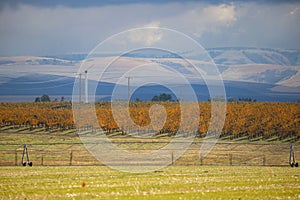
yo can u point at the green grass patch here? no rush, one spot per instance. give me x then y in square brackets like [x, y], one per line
[174, 182]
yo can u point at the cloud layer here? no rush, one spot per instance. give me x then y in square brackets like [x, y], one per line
[40, 30]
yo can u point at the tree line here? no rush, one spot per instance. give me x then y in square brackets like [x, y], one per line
[46, 98]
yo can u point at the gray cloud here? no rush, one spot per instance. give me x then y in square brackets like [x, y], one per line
[94, 3]
[41, 30]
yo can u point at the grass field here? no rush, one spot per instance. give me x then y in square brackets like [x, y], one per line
[189, 177]
[173, 182]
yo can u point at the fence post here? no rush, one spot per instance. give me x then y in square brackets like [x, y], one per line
[16, 157]
[264, 160]
[201, 160]
[71, 157]
[42, 161]
[230, 159]
[172, 158]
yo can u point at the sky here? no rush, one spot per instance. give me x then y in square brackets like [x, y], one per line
[60, 27]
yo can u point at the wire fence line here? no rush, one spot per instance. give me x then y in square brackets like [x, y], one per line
[235, 154]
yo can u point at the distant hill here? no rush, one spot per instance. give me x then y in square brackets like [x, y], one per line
[56, 86]
[262, 74]
[240, 56]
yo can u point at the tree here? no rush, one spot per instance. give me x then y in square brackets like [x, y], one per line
[37, 99]
[45, 98]
[138, 100]
[162, 97]
[231, 99]
[245, 99]
[165, 97]
[155, 98]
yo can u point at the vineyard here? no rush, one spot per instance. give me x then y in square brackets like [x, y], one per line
[250, 160]
[249, 121]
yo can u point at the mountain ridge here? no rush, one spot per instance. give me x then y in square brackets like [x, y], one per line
[275, 72]
[57, 86]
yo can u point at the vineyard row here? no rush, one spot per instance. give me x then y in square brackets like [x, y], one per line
[243, 119]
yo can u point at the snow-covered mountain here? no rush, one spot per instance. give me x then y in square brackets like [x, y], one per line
[272, 66]
[34, 60]
[266, 71]
[240, 56]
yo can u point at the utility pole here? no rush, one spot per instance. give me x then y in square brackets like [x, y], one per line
[128, 87]
[86, 87]
[80, 88]
[180, 93]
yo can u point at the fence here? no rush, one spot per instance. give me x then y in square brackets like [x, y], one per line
[222, 154]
